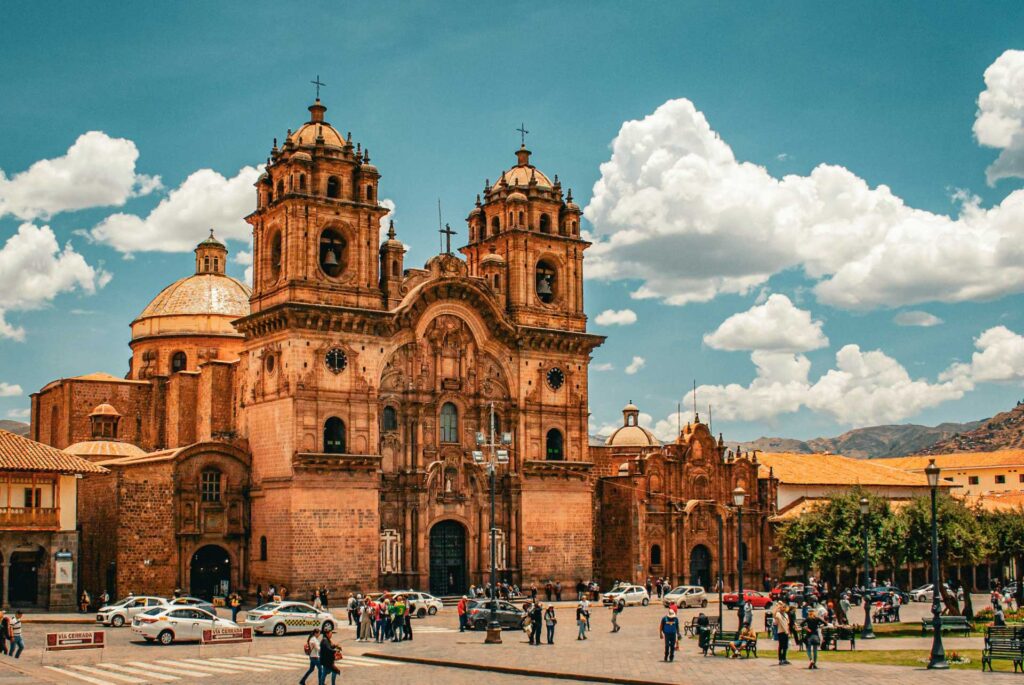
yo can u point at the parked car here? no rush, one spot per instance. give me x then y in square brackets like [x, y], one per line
[924, 593]
[123, 611]
[880, 593]
[280, 618]
[758, 600]
[510, 617]
[425, 604]
[792, 591]
[686, 596]
[176, 624]
[632, 594]
[193, 602]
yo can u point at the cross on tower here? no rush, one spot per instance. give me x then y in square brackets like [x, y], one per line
[522, 134]
[317, 83]
[448, 233]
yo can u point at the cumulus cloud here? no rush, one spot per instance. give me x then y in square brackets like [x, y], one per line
[635, 365]
[916, 318]
[999, 358]
[776, 326]
[676, 211]
[19, 414]
[999, 122]
[204, 200]
[96, 171]
[611, 317]
[603, 366]
[10, 390]
[34, 269]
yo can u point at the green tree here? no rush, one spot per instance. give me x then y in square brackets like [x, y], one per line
[961, 536]
[1004, 532]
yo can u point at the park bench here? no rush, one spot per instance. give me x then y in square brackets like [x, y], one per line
[1005, 643]
[723, 639]
[691, 627]
[830, 637]
[948, 623]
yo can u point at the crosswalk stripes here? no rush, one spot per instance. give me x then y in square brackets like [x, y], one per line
[163, 671]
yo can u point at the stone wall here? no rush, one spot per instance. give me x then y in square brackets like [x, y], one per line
[557, 531]
[98, 519]
[147, 552]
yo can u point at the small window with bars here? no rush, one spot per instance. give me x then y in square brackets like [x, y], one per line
[210, 485]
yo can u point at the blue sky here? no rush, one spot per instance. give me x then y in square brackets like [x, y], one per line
[888, 93]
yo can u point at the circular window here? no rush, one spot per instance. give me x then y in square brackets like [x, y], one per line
[556, 377]
[333, 253]
[336, 360]
[271, 363]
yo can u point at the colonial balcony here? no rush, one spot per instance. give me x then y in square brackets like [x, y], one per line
[29, 518]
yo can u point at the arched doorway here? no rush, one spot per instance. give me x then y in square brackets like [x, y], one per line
[210, 572]
[447, 559]
[23, 582]
[700, 567]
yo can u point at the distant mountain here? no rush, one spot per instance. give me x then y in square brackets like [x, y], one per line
[1002, 431]
[868, 443]
[16, 427]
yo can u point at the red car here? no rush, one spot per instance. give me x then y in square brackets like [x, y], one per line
[758, 600]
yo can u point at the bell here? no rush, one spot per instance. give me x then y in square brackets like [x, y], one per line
[544, 286]
[330, 259]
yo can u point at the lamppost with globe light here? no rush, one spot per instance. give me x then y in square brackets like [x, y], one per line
[937, 659]
[868, 633]
[738, 496]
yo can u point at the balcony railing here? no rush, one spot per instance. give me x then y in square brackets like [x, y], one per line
[29, 517]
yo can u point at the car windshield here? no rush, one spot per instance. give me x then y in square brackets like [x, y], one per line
[122, 602]
[154, 611]
[679, 590]
[267, 607]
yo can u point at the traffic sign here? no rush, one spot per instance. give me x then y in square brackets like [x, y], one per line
[87, 639]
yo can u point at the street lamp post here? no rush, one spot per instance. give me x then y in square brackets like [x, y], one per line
[495, 456]
[868, 633]
[738, 495]
[721, 558]
[937, 660]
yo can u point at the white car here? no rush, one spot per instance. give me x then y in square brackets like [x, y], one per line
[170, 624]
[424, 603]
[686, 596]
[123, 611]
[924, 593]
[632, 594]
[280, 618]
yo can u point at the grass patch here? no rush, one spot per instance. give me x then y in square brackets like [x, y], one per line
[914, 630]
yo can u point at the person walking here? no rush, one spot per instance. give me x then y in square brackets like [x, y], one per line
[812, 628]
[329, 653]
[550, 621]
[581, 621]
[17, 642]
[748, 613]
[312, 650]
[366, 624]
[350, 606]
[669, 630]
[536, 621]
[5, 627]
[616, 611]
[780, 619]
[236, 606]
[586, 611]
[410, 611]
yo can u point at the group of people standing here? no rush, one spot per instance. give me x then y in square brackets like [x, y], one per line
[387, 618]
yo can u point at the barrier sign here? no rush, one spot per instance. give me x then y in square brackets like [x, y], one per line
[221, 636]
[92, 639]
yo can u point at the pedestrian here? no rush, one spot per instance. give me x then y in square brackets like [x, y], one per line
[767, 583]
[536, 621]
[580, 589]
[5, 626]
[351, 607]
[17, 642]
[748, 613]
[104, 598]
[462, 608]
[586, 611]
[549, 590]
[533, 592]
[312, 650]
[397, 618]
[616, 610]
[329, 653]
[812, 629]
[669, 630]
[83, 602]
[549, 622]
[703, 633]
[259, 594]
[366, 622]
[780, 619]
[581, 621]
[236, 606]
[324, 595]
[410, 611]
[558, 591]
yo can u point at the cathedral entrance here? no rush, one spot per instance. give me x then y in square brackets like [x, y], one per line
[210, 572]
[700, 567]
[447, 559]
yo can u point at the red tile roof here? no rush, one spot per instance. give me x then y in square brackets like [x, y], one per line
[21, 454]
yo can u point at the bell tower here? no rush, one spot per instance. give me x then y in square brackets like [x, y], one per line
[524, 239]
[316, 227]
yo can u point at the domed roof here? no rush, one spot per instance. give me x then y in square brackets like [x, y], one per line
[307, 133]
[104, 449]
[516, 197]
[201, 294]
[493, 258]
[523, 172]
[632, 436]
[104, 410]
[302, 156]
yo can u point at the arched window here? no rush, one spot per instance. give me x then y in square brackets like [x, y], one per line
[263, 548]
[302, 182]
[334, 436]
[333, 187]
[280, 190]
[497, 281]
[206, 264]
[209, 485]
[216, 264]
[521, 216]
[449, 423]
[275, 256]
[545, 223]
[333, 255]
[574, 228]
[369, 192]
[655, 555]
[389, 419]
[546, 282]
[554, 445]
[394, 269]
[495, 225]
[178, 362]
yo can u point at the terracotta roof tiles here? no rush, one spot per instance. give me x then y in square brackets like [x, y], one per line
[21, 454]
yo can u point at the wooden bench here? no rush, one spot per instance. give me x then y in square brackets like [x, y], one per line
[691, 627]
[948, 623]
[724, 639]
[830, 637]
[1005, 643]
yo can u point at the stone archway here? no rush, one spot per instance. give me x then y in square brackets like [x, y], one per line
[700, 567]
[210, 572]
[448, 558]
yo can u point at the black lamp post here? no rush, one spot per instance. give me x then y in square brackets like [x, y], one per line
[495, 456]
[937, 660]
[868, 633]
[738, 496]
[721, 558]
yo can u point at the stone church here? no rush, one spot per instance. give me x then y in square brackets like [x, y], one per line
[320, 427]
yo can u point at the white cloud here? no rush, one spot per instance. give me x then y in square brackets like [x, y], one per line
[916, 318]
[999, 122]
[603, 366]
[96, 171]
[675, 210]
[389, 204]
[635, 365]
[34, 270]
[10, 390]
[611, 317]
[999, 358]
[203, 201]
[776, 326]
[19, 414]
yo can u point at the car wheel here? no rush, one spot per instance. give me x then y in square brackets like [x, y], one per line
[280, 629]
[328, 625]
[645, 601]
[703, 603]
[117, 621]
[432, 610]
[480, 625]
[166, 637]
[421, 612]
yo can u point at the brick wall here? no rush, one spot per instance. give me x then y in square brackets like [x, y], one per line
[557, 531]
[97, 517]
[146, 530]
[616, 532]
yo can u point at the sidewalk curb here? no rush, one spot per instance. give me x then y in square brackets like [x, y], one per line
[512, 670]
[43, 619]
